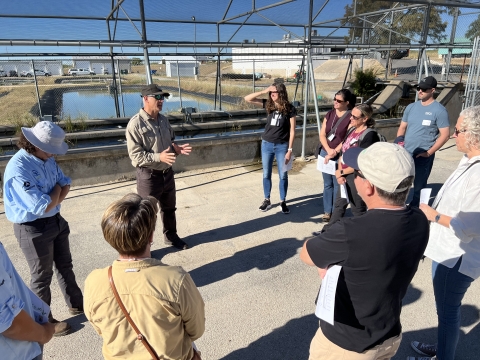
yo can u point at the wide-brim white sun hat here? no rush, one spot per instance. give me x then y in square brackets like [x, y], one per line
[47, 136]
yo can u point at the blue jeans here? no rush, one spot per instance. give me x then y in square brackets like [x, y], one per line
[449, 287]
[423, 167]
[269, 150]
[330, 189]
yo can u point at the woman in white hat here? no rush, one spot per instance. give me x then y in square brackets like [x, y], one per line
[34, 188]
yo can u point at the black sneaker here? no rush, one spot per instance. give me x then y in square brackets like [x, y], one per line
[284, 208]
[424, 349]
[176, 242]
[76, 311]
[265, 205]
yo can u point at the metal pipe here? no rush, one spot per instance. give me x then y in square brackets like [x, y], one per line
[120, 86]
[314, 91]
[144, 42]
[179, 88]
[387, 64]
[452, 40]
[36, 90]
[309, 59]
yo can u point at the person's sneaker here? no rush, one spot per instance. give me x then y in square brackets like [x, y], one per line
[176, 242]
[326, 217]
[317, 233]
[424, 349]
[76, 311]
[61, 327]
[284, 207]
[421, 358]
[265, 205]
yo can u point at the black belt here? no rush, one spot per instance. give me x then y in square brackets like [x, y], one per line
[40, 220]
[153, 171]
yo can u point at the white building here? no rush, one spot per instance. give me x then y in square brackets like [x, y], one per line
[102, 64]
[52, 66]
[187, 66]
[281, 65]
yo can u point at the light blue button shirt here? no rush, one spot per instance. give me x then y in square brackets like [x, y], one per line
[14, 296]
[27, 182]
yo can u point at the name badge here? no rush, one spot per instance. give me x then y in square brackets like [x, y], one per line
[426, 122]
[331, 137]
[353, 141]
[275, 119]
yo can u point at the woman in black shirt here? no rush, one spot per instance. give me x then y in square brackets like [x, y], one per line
[277, 139]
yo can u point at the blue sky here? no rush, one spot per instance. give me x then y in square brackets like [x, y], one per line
[181, 10]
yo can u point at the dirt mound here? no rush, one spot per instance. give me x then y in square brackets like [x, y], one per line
[336, 69]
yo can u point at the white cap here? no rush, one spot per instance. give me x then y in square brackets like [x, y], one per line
[385, 165]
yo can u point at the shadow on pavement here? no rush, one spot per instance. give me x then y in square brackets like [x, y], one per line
[301, 209]
[290, 341]
[262, 257]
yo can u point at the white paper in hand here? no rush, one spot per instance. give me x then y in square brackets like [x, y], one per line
[328, 168]
[326, 298]
[288, 166]
[344, 192]
[425, 195]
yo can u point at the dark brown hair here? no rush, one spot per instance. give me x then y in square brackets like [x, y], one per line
[283, 105]
[367, 111]
[26, 145]
[128, 223]
[348, 97]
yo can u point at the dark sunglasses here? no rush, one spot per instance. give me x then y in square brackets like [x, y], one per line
[356, 117]
[158, 97]
[456, 131]
[338, 101]
[272, 92]
[358, 173]
[423, 89]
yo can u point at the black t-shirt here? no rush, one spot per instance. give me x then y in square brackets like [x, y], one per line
[277, 130]
[379, 253]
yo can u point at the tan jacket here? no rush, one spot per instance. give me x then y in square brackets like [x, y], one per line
[147, 138]
[163, 302]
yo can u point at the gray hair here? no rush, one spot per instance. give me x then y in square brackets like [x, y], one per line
[471, 125]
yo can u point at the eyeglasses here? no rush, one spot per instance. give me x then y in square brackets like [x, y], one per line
[356, 117]
[157, 97]
[272, 92]
[358, 173]
[338, 101]
[456, 131]
[424, 90]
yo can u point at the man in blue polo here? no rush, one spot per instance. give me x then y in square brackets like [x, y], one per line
[34, 188]
[425, 128]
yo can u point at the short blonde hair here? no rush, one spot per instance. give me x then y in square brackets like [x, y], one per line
[128, 223]
[471, 125]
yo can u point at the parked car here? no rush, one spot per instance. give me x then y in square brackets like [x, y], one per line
[3, 73]
[396, 54]
[83, 71]
[37, 73]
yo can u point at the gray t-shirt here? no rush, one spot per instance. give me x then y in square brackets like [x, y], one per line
[423, 124]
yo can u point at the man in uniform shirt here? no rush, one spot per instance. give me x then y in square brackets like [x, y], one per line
[151, 147]
[34, 188]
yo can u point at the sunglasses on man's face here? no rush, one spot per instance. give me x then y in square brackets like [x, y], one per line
[158, 97]
[358, 173]
[423, 89]
[338, 100]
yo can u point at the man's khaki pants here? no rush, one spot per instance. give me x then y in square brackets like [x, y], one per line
[323, 349]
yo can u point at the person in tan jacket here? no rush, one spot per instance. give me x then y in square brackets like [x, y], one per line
[162, 300]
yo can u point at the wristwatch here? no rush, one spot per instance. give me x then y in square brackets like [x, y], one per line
[437, 218]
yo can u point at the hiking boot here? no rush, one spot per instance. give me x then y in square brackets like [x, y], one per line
[176, 242]
[424, 349]
[265, 205]
[61, 327]
[326, 217]
[76, 311]
[421, 358]
[284, 206]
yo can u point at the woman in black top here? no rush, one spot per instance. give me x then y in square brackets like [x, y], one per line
[277, 139]
[360, 135]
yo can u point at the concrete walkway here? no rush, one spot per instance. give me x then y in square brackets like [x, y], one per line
[259, 296]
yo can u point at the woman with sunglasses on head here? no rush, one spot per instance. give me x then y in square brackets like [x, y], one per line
[454, 242]
[332, 133]
[277, 139]
[361, 134]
